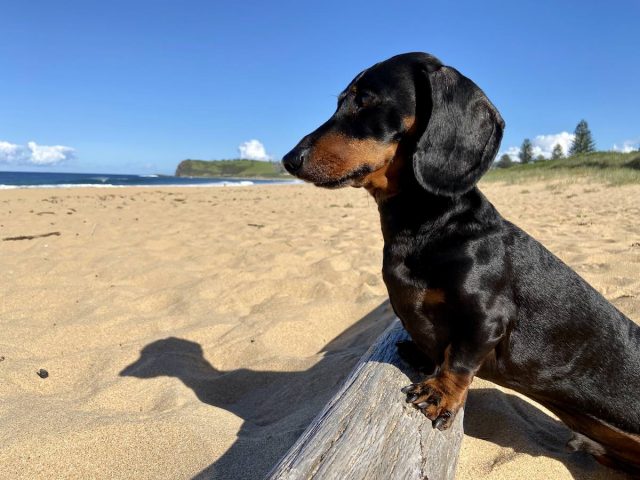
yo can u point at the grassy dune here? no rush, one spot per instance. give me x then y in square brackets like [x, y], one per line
[608, 167]
[612, 168]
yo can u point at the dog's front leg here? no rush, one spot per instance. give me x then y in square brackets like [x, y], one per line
[443, 393]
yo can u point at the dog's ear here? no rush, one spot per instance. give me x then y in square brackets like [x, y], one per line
[462, 136]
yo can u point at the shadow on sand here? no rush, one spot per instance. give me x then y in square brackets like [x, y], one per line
[511, 422]
[271, 402]
[268, 402]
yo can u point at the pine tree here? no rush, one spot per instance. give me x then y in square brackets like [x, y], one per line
[557, 152]
[583, 141]
[504, 162]
[526, 151]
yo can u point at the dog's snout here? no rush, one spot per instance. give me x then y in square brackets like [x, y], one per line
[293, 160]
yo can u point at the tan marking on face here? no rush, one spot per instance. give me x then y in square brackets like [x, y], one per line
[433, 297]
[383, 182]
[335, 156]
[409, 124]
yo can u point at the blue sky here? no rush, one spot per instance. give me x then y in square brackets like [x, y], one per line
[136, 86]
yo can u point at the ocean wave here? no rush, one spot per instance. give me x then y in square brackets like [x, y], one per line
[224, 183]
[68, 185]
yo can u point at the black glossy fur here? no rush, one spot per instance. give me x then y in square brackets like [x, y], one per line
[477, 294]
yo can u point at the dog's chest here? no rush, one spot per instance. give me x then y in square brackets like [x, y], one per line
[421, 308]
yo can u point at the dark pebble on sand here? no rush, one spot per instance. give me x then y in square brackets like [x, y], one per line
[1, 358]
[42, 373]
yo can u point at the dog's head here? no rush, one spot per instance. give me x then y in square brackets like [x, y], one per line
[407, 110]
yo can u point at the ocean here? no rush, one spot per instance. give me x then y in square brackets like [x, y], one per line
[61, 180]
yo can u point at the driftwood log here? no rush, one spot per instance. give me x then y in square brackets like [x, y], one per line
[367, 431]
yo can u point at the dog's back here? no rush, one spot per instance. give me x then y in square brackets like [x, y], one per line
[590, 352]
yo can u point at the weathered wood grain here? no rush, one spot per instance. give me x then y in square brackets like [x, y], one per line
[367, 431]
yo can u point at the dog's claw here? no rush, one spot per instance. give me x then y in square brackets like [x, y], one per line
[412, 398]
[438, 423]
[408, 388]
[422, 405]
[441, 422]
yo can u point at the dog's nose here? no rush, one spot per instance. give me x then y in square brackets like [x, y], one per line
[293, 160]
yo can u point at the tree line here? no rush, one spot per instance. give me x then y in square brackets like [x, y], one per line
[582, 143]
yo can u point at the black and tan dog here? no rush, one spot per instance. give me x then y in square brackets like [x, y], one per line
[477, 294]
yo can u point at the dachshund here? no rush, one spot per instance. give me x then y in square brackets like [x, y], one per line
[477, 295]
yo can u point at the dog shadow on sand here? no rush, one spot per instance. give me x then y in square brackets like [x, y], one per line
[270, 403]
[511, 422]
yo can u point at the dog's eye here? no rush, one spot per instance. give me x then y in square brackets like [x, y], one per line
[365, 99]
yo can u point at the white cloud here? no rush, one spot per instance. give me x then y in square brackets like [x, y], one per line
[512, 152]
[543, 145]
[253, 150]
[34, 154]
[627, 146]
[11, 153]
[49, 155]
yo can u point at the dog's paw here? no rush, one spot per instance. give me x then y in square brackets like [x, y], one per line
[436, 400]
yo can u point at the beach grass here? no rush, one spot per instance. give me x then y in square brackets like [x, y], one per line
[610, 168]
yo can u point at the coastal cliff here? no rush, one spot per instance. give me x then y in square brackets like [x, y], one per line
[231, 168]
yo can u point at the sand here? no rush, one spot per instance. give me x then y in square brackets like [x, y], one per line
[195, 332]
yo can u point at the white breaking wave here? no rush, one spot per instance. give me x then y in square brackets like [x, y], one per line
[241, 183]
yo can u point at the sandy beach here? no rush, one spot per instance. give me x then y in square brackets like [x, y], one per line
[195, 332]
